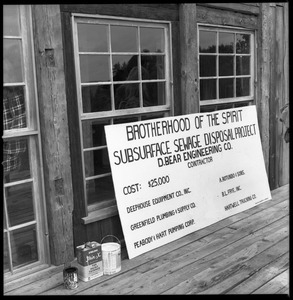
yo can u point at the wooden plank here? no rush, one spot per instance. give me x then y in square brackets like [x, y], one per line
[75, 149]
[255, 272]
[146, 11]
[262, 102]
[54, 128]
[205, 241]
[215, 16]
[173, 261]
[247, 8]
[185, 271]
[189, 60]
[284, 85]
[274, 285]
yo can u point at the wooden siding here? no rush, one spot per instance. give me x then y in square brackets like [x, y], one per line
[54, 130]
[273, 87]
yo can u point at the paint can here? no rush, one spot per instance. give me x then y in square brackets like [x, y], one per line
[70, 277]
[111, 256]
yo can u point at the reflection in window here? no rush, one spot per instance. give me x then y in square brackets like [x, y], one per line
[97, 162]
[11, 22]
[93, 133]
[96, 98]
[100, 188]
[228, 57]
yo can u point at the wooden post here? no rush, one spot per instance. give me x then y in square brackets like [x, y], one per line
[54, 130]
[189, 61]
[264, 79]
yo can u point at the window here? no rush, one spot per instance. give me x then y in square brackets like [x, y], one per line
[24, 218]
[226, 67]
[123, 73]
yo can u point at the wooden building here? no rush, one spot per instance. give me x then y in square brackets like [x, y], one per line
[175, 58]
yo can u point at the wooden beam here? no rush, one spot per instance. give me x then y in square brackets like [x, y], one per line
[54, 130]
[189, 60]
[262, 101]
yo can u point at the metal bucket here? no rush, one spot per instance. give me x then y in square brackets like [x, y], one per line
[111, 256]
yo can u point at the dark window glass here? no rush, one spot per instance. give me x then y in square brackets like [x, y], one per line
[207, 65]
[226, 42]
[242, 65]
[153, 93]
[96, 98]
[207, 41]
[152, 67]
[226, 65]
[208, 89]
[242, 43]
[226, 88]
[242, 87]
[96, 162]
[24, 246]
[20, 204]
[93, 133]
[126, 95]
[100, 189]
[125, 67]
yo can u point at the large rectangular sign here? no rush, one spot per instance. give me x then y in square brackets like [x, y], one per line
[175, 175]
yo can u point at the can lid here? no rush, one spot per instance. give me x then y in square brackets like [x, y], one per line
[110, 246]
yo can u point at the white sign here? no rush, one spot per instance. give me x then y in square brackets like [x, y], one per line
[175, 175]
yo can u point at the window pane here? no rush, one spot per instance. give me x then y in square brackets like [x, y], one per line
[96, 98]
[96, 162]
[226, 88]
[153, 93]
[92, 37]
[125, 67]
[14, 111]
[126, 95]
[242, 87]
[226, 42]
[125, 120]
[243, 43]
[207, 41]
[6, 265]
[93, 133]
[16, 163]
[124, 38]
[20, 203]
[242, 65]
[24, 246]
[226, 65]
[152, 39]
[100, 189]
[12, 61]
[207, 65]
[152, 67]
[11, 24]
[94, 68]
[208, 89]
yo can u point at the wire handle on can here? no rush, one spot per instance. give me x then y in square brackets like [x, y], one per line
[109, 236]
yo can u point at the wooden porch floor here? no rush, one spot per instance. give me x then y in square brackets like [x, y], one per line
[247, 253]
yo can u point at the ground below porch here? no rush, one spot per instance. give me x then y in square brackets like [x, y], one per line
[247, 253]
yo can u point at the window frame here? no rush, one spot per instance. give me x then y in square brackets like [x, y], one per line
[105, 208]
[253, 50]
[32, 133]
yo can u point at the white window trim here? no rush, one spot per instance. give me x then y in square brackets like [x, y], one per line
[168, 108]
[230, 29]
